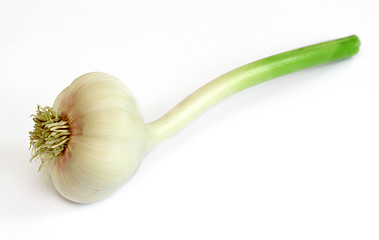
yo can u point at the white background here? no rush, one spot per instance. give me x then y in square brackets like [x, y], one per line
[293, 158]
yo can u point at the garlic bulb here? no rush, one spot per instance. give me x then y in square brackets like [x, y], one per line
[93, 138]
[107, 138]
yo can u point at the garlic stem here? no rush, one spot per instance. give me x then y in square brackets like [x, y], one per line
[246, 76]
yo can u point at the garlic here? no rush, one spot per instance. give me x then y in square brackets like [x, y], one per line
[93, 138]
[107, 138]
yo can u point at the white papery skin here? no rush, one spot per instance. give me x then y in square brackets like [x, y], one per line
[107, 138]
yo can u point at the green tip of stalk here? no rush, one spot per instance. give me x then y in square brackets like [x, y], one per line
[50, 135]
[350, 46]
[356, 42]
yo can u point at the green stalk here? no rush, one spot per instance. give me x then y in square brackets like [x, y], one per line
[246, 76]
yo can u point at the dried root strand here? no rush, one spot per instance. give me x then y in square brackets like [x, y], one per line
[50, 136]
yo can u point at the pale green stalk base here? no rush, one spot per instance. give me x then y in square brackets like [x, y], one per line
[244, 77]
